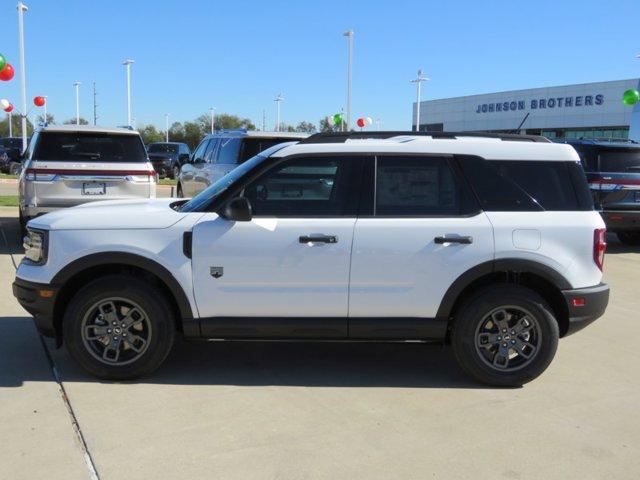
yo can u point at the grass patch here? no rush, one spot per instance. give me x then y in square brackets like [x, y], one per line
[167, 181]
[6, 175]
[8, 200]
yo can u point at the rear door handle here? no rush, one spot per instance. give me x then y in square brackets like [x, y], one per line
[318, 239]
[462, 240]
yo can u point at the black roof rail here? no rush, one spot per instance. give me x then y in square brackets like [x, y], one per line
[341, 137]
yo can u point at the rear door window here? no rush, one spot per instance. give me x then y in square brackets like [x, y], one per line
[89, 147]
[228, 151]
[419, 186]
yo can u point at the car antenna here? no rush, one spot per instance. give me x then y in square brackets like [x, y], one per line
[517, 130]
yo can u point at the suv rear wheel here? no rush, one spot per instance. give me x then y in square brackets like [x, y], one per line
[505, 335]
[119, 327]
[629, 238]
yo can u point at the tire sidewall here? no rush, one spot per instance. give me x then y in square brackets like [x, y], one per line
[476, 310]
[148, 298]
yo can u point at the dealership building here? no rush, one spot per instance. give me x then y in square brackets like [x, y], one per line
[586, 110]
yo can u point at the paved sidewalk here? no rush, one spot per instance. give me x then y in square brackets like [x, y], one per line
[37, 437]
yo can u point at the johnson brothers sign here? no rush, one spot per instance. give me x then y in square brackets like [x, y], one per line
[540, 103]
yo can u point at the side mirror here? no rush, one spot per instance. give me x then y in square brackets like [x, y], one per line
[184, 158]
[238, 209]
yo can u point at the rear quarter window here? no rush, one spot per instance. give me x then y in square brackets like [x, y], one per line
[556, 186]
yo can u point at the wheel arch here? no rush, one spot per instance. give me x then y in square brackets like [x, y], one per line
[80, 271]
[540, 278]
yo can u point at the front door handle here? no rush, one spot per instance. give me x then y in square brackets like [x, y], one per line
[318, 239]
[462, 240]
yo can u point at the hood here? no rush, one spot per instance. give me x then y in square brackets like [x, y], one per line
[132, 214]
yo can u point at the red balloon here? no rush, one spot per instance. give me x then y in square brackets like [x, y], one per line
[9, 108]
[38, 101]
[361, 122]
[7, 72]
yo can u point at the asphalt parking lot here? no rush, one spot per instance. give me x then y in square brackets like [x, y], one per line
[325, 410]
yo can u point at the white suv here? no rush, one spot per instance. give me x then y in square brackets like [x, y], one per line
[66, 165]
[489, 243]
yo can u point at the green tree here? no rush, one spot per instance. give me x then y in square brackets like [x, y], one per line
[50, 119]
[150, 134]
[230, 122]
[72, 121]
[16, 126]
[325, 126]
[306, 127]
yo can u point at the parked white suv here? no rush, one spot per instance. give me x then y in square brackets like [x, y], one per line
[489, 243]
[66, 165]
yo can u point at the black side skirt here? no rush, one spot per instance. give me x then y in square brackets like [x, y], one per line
[318, 328]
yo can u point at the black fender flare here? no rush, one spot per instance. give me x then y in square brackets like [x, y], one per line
[134, 260]
[517, 265]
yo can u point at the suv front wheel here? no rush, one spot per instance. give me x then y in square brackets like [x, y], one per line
[119, 327]
[505, 335]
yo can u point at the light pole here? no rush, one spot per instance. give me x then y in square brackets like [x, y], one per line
[77, 85]
[23, 89]
[46, 98]
[418, 80]
[213, 118]
[349, 35]
[166, 127]
[378, 122]
[127, 63]
[10, 124]
[279, 98]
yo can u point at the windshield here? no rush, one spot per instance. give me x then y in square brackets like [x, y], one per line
[163, 148]
[203, 199]
[89, 147]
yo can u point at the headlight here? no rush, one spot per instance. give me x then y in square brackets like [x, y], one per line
[35, 246]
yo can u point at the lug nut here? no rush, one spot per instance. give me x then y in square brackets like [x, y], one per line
[513, 342]
[504, 330]
[504, 344]
[499, 337]
[123, 325]
[108, 330]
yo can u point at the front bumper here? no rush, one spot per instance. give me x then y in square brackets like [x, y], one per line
[621, 220]
[39, 300]
[594, 302]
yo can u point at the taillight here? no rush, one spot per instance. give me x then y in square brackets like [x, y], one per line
[599, 246]
[33, 174]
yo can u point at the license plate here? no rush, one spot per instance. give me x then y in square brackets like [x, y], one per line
[94, 188]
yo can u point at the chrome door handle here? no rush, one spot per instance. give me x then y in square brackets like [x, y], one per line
[462, 240]
[318, 239]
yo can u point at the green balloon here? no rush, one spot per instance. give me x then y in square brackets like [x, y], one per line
[631, 97]
[3, 61]
[337, 118]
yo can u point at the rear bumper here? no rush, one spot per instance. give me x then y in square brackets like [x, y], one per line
[595, 300]
[29, 295]
[621, 220]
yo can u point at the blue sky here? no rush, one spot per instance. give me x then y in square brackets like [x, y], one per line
[236, 56]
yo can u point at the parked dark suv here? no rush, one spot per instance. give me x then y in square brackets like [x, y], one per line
[168, 157]
[12, 146]
[613, 171]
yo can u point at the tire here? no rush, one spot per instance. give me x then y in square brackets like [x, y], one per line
[472, 338]
[155, 332]
[629, 238]
[179, 192]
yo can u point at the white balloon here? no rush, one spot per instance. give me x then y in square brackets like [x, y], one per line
[330, 120]
[368, 120]
[4, 103]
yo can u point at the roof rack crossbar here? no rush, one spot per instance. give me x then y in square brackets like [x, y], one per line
[341, 137]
